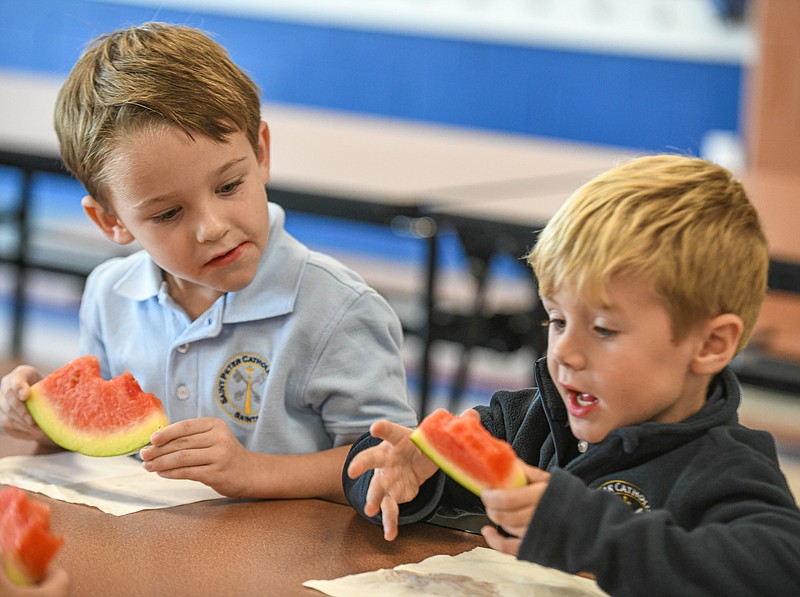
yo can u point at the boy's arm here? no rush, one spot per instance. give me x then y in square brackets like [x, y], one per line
[297, 476]
[206, 450]
[747, 545]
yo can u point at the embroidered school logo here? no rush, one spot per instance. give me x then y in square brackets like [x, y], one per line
[239, 386]
[630, 494]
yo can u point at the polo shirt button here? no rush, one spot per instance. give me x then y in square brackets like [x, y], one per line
[183, 348]
[183, 392]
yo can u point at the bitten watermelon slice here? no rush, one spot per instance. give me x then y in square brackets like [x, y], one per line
[467, 452]
[27, 544]
[80, 411]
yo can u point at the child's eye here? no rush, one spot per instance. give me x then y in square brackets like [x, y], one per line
[230, 188]
[604, 332]
[555, 324]
[166, 216]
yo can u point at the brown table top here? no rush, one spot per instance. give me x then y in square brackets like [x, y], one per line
[230, 547]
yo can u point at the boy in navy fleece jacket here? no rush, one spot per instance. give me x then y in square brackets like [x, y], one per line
[639, 472]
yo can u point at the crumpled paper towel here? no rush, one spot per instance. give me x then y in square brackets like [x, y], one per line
[480, 572]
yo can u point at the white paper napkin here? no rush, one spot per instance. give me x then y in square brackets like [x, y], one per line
[480, 572]
[117, 485]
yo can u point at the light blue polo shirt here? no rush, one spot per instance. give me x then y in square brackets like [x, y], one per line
[303, 359]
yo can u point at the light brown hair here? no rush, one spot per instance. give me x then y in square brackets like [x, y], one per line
[144, 77]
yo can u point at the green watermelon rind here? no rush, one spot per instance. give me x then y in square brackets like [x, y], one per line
[459, 475]
[124, 441]
[15, 573]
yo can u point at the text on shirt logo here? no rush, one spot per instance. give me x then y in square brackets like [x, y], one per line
[238, 385]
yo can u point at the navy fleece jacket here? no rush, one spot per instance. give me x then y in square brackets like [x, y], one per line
[692, 508]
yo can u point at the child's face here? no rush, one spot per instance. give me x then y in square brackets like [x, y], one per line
[198, 207]
[618, 365]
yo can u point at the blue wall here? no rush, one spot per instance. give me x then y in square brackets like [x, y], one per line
[640, 103]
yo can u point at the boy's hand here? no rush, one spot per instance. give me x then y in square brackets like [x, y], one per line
[400, 469]
[202, 449]
[513, 510]
[15, 419]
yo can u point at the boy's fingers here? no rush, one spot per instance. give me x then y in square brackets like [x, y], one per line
[509, 500]
[390, 512]
[21, 390]
[20, 380]
[498, 542]
[184, 459]
[388, 431]
[376, 457]
[376, 492]
[505, 499]
[181, 429]
[535, 474]
[14, 412]
[367, 460]
[471, 413]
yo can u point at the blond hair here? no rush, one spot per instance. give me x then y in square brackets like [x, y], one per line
[682, 224]
[150, 76]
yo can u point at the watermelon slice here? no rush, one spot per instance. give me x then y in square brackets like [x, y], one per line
[27, 544]
[467, 452]
[82, 412]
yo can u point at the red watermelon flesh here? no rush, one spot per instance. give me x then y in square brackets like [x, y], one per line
[467, 452]
[80, 411]
[27, 544]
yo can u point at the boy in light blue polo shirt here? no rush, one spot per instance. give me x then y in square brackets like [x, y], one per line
[270, 359]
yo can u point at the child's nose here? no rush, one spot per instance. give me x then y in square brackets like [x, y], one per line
[567, 348]
[210, 227]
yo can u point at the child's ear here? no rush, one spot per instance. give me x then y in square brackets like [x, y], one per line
[263, 150]
[720, 342]
[110, 224]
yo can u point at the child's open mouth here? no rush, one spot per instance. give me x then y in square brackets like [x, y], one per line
[580, 404]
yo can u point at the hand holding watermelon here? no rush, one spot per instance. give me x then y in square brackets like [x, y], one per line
[14, 417]
[74, 408]
[513, 509]
[509, 489]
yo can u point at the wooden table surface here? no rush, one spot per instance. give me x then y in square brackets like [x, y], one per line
[229, 547]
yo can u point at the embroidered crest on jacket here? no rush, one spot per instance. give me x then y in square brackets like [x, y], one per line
[630, 494]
